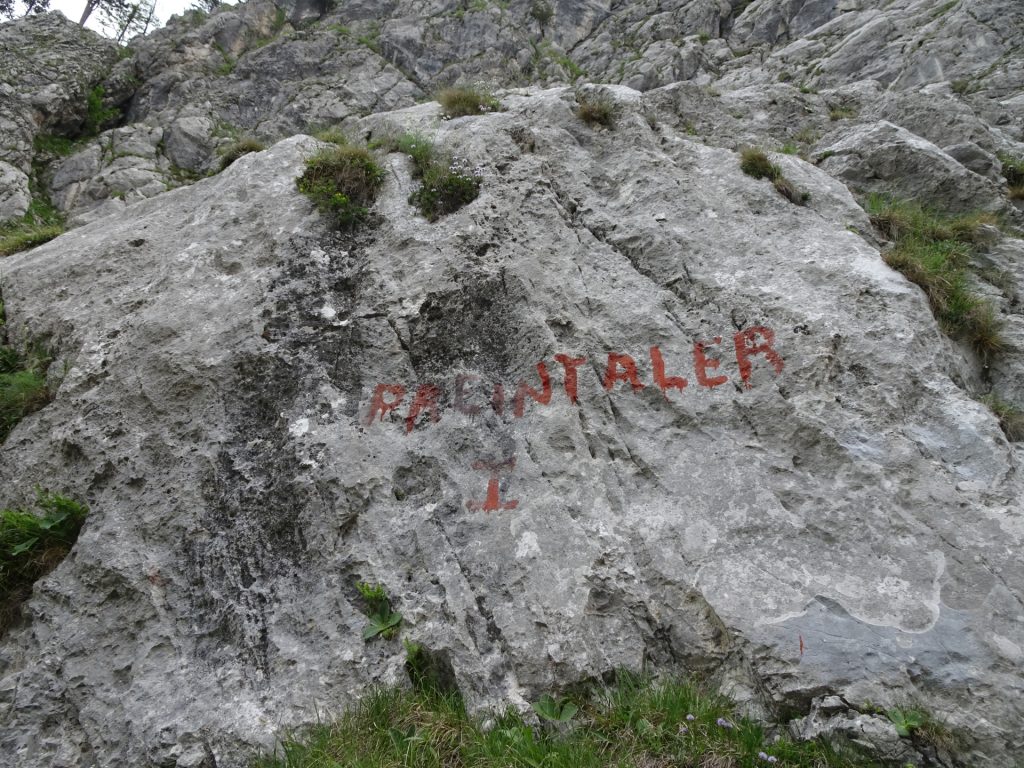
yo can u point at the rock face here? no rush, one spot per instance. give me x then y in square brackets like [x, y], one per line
[630, 406]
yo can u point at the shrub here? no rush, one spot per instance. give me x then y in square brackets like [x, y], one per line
[462, 101]
[32, 545]
[243, 146]
[542, 11]
[754, 162]
[596, 110]
[97, 115]
[343, 183]
[1013, 172]
[446, 183]
[933, 252]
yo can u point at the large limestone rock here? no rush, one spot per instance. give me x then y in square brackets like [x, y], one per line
[822, 509]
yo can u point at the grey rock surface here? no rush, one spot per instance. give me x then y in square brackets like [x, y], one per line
[222, 357]
[847, 528]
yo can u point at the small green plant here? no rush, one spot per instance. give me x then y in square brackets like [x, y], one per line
[53, 146]
[446, 183]
[383, 621]
[462, 101]
[243, 146]
[596, 110]
[785, 77]
[905, 720]
[754, 162]
[841, 113]
[542, 11]
[704, 37]
[960, 87]
[343, 183]
[32, 545]
[934, 252]
[331, 136]
[555, 711]
[97, 115]
[1011, 418]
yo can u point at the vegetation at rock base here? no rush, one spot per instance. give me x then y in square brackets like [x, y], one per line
[754, 162]
[32, 545]
[462, 101]
[1013, 172]
[1011, 418]
[243, 146]
[97, 114]
[596, 110]
[636, 723]
[933, 251]
[42, 222]
[447, 183]
[342, 181]
[22, 381]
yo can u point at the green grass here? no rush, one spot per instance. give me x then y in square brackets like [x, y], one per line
[754, 162]
[933, 251]
[342, 181]
[331, 136]
[446, 183]
[32, 545]
[97, 115]
[462, 101]
[637, 723]
[58, 146]
[596, 110]
[841, 113]
[1013, 172]
[42, 222]
[1011, 418]
[243, 146]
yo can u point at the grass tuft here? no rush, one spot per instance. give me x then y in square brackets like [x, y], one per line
[754, 162]
[447, 183]
[462, 101]
[1013, 172]
[243, 146]
[343, 183]
[596, 110]
[933, 252]
[638, 722]
[1011, 418]
[32, 545]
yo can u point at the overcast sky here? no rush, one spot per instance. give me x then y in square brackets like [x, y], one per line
[73, 10]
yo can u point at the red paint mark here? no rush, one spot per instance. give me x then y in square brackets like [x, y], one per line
[628, 372]
[493, 501]
[745, 348]
[460, 403]
[425, 400]
[801, 645]
[702, 363]
[570, 364]
[498, 399]
[378, 405]
[543, 397]
[664, 382]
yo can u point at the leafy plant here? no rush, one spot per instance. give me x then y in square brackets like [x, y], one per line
[342, 182]
[934, 252]
[462, 101]
[555, 711]
[243, 146]
[383, 620]
[596, 110]
[32, 545]
[905, 720]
